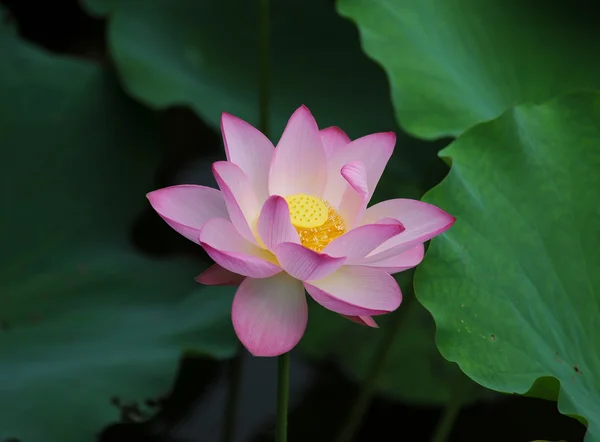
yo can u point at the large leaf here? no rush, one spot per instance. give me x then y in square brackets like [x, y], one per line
[514, 286]
[205, 54]
[455, 63]
[84, 318]
[413, 371]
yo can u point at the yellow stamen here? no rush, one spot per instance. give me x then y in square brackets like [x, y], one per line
[316, 222]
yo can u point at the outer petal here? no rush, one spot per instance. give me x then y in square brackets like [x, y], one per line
[274, 225]
[359, 242]
[242, 204]
[217, 275]
[356, 196]
[373, 151]
[363, 320]
[227, 248]
[299, 164]
[186, 208]
[269, 315]
[357, 291]
[333, 139]
[252, 151]
[403, 261]
[423, 221]
[305, 264]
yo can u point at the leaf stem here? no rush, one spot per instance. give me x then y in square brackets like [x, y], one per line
[234, 376]
[283, 390]
[444, 426]
[365, 396]
[264, 67]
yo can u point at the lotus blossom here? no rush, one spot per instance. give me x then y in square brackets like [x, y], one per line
[295, 218]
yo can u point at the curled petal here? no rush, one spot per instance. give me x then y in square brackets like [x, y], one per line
[359, 242]
[422, 221]
[356, 196]
[227, 248]
[305, 264]
[363, 320]
[242, 205]
[274, 224]
[333, 139]
[270, 315]
[399, 263]
[186, 208]
[217, 275]
[251, 150]
[356, 291]
[299, 163]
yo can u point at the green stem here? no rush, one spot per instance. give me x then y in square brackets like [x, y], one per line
[451, 411]
[234, 376]
[264, 67]
[365, 396]
[283, 391]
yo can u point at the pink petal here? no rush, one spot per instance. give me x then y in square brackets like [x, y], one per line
[242, 205]
[274, 225]
[230, 250]
[373, 151]
[356, 196]
[186, 208]
[363, 320]
[306, 264]
[252, 151]
[333, 139]
[422, 221]
[359, 242]
[217, 275]
[299, 164]
[403, 261]
[357, 291]
[269, 315]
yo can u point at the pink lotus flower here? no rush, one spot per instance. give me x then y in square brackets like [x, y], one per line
[295, 218]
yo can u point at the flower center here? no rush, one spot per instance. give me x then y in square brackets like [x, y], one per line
[316, 222]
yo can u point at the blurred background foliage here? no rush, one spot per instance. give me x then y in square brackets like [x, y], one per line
[105, 336]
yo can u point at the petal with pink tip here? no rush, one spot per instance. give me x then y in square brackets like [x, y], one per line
[373, 151]
[422, 221]
[274, 225]
[356, 291]
[305, 264]
[359, 242]
[356, 196]
[333, 139]
[399, 263]
[187, 207]
[299, 164]
[217, 275]
[362, 320]
[230, 250]
[251, 150]
[270, 315]
[242, 205]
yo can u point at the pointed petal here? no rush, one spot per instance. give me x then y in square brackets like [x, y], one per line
[399, 263]
[217, 275]
[274, 225]
[356, 196]
[359, 242]
[373, 151]
[269, 315]
[333, 139]
[305, 264]
[251, 150]
[422, 221]
[299, 164]
[356, 291]
[230, 250]
[363, 320]
[186, 208]
[242, 205]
